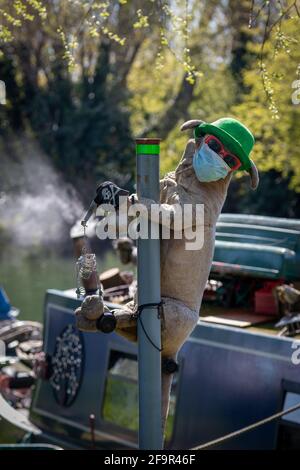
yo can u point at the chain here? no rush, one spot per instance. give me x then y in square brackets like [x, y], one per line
[85, 266]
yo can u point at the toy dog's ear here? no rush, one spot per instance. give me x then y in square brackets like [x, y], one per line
[190, 124]
[254, 176]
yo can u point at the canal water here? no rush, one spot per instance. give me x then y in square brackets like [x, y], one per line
[26, 277]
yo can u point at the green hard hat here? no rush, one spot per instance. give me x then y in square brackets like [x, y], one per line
[234, 136]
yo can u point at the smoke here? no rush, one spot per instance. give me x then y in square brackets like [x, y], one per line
[37, 207]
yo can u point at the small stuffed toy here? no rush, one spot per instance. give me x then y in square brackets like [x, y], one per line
[202, 177]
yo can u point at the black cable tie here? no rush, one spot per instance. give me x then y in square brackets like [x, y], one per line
[158, 305]
[138, 314]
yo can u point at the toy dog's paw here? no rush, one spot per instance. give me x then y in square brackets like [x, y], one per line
[125, 318]
[92, 307]
[84, 324]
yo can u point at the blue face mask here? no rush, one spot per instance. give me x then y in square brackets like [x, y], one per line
[208, 166]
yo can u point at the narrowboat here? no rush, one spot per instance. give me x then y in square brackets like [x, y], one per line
[240, 365]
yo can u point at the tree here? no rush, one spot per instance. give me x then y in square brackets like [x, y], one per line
[87, 77]
[275, 134]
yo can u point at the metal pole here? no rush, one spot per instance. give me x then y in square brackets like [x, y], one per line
[149, 343]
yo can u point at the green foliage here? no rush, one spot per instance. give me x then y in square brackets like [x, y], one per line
[98, 19]
[213, 97]
[151, 87]
[87, 77]
[78, 114]
[14, 12]
[276, 133]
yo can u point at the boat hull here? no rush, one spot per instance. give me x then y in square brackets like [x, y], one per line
[228, 378]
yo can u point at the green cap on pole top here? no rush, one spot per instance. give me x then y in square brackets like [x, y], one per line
[147, 146]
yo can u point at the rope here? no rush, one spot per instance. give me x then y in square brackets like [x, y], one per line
[237, 433]
[139, 312]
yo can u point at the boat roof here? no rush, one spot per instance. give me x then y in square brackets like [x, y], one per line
[257, 246]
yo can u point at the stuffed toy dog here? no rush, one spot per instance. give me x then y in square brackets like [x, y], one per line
[202, 177]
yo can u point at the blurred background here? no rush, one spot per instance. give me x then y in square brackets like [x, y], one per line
[80, 80]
